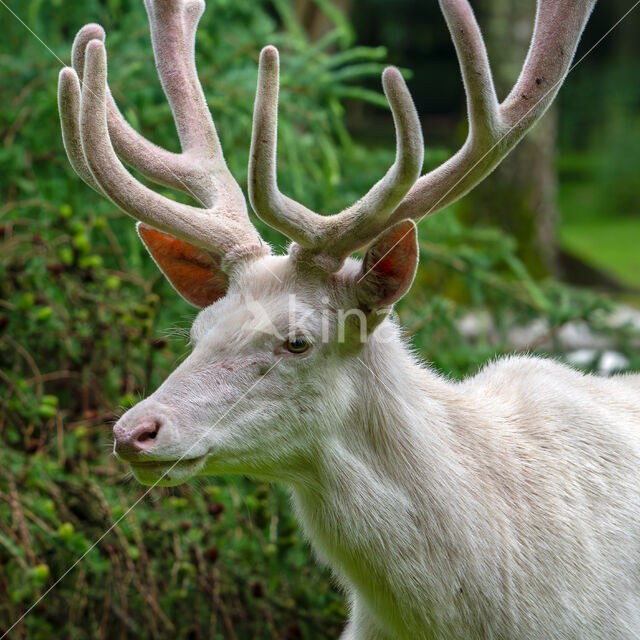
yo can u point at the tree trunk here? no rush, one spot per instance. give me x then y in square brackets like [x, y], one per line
[315, 21]
[519, 196]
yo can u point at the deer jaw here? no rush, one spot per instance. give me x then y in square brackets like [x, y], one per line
[241, 402]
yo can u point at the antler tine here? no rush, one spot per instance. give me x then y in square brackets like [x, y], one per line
[332, 237]
[482, 101]
[274, 208]
[495, 129]
[69, 106]
[358, 225]
[162, 166]
[173, 33]
[556, 35]
[219, 229]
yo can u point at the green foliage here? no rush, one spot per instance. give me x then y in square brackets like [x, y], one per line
[474, 270]
[226, 556]
[598, 186]
[88, 326]
[610, 149]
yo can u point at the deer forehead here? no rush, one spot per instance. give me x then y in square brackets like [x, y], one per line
[273, 296]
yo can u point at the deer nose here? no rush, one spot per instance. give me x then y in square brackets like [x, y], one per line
[130, 442]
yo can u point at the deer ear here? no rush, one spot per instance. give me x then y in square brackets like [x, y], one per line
[194, 273]
[388, 268]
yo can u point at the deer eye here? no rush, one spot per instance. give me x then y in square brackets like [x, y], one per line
[297, 344]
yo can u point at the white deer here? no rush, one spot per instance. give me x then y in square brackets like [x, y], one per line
[504, 506]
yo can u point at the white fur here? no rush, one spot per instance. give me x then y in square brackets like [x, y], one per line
[503, 506]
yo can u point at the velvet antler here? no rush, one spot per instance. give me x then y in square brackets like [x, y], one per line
[494, 129]
[95, 134]
[331, 238]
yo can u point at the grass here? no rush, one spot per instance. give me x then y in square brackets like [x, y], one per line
[606, 240]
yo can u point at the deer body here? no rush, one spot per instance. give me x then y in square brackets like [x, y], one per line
[505, 506]
[495, 507]
[488, 508]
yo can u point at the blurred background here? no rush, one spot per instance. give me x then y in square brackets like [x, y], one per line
[542, 257]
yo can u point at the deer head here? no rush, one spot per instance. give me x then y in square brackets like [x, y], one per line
[276, 346]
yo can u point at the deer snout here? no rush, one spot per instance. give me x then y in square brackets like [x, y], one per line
[141, 437]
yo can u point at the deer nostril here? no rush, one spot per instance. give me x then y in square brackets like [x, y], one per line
[149, 433]
[141, 438]
[144, 435]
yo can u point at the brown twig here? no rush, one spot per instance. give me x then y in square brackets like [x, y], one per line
[14, 538]
[547, 335]
[10, 383]
[106, 607]
[18, 515]
[54, 376]
[30, 361]
[116, 248]
[30, 515]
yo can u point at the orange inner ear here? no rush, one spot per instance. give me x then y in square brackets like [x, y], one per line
[195, 274]
[389, 266]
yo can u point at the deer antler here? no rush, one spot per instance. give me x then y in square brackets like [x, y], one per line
[94, 131]
[332, 238]
[494, 129]
[93, 126]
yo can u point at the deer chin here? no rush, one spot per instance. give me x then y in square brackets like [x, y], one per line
[167, 473]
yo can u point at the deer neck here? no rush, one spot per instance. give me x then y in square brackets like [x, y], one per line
[369, 487]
